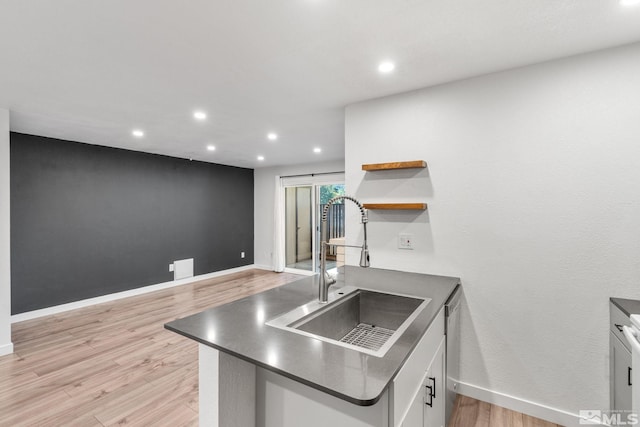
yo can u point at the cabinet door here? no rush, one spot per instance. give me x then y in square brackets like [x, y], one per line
[409, 382]
[434, 407]
[620, 375]
[428, 406]
[415, 416]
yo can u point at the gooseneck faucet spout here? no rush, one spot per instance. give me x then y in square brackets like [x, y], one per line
[326, 279]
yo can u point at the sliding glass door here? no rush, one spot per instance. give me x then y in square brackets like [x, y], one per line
[303, 212]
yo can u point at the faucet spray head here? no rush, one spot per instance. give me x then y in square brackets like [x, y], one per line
[364, 257]
[364, 254]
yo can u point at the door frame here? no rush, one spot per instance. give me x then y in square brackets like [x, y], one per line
[315, 181]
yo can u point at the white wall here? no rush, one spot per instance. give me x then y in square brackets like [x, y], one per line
[5, 250]
[264, 187]
[533, 185]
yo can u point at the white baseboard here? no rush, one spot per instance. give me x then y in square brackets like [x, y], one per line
[6, 349]
[119, 295]
[286, 270]
[533, 409]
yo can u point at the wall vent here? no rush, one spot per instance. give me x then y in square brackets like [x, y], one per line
[182, 269]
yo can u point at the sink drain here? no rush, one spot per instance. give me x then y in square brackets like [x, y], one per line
[367, 336]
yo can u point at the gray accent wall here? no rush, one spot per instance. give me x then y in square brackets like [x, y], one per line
[88, 220]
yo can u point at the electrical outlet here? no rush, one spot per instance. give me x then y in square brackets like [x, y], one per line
[241, 254]
[405, 241]
[171, 267]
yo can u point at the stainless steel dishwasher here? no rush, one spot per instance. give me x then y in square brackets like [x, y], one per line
[452, 331]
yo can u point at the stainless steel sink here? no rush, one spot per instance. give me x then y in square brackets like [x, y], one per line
[360, 319]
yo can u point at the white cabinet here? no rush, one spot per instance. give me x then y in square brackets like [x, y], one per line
[435, 390]
[417, 394]
[415, 416]
[620, 374]
[619, 361]
[428, 406]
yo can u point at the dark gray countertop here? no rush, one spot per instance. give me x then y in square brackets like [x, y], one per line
[239, 329]
[628, 306]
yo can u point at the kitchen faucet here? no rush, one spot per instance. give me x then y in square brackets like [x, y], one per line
[326, 279]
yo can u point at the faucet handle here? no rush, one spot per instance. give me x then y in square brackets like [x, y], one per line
[330, 279]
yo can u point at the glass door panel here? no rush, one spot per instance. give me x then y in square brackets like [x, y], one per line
[298, 226]
[335, 224]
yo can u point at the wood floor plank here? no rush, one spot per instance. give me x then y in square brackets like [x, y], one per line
[20, 412]
[468, 412]
[60, 360]
[82, 421]
[35, 386]
[83, 405]
[529, 421]
[501, 417]
[169, 415]
[150, 398]
[11, 381]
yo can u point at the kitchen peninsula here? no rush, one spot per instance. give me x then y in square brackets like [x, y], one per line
[255, 374]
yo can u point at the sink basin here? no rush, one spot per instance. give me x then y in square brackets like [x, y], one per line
[360, 319]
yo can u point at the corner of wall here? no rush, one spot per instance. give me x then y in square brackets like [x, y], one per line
[6, 347]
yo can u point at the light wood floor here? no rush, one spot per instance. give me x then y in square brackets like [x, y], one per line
[469, 412]
[115, 364]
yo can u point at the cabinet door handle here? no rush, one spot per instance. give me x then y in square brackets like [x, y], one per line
[433, 387]
[429, 396]
[618, 326]
[629, 375]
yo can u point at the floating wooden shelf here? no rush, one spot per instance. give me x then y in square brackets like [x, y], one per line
[395, 165]
[395, 206]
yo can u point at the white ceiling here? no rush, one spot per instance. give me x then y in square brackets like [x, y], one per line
[93, 70]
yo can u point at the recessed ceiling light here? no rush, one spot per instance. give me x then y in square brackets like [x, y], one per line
[272, 136]
[261, 158]
[317, 150]
[137, 133]
[386, 67]
[629, 2]
[199, 115]
[211, 148]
